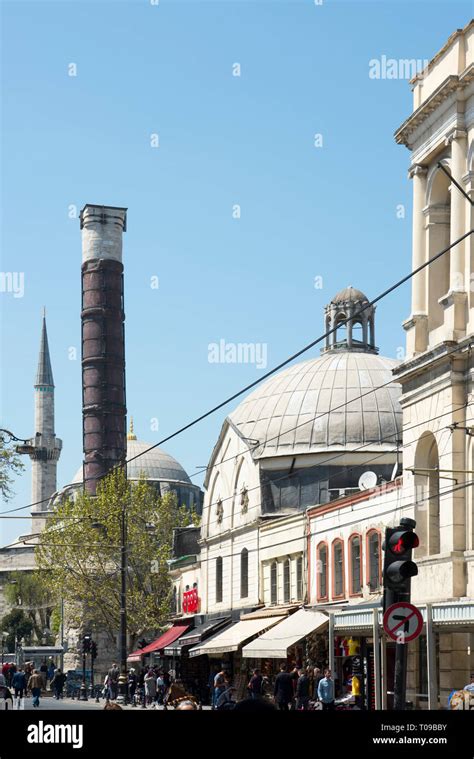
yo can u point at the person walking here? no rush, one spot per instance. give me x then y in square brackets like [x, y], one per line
[19, 686]
[35, 684]
[112, 681]
[326, 691]
[317, 677]
[150, 686]
[50, 674]
[219, 687]
[57, 683]
[283, 689]
[302, 690]
[132, 685]
[255, 684]
[44, 673]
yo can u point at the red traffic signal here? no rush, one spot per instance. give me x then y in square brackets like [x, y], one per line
[402, 541]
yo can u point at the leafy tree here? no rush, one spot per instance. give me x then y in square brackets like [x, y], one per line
[80, 549]
[30, 591]
[10, 463]
[18, 626]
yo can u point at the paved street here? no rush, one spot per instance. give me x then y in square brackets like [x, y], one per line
[67, 704]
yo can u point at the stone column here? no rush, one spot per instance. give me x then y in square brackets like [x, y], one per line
[457, 140]
[416, 325]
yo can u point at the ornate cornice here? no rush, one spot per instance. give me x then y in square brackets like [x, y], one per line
[451, 84]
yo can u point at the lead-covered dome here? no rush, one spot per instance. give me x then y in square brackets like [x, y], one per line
[341, 399]
[154, 465]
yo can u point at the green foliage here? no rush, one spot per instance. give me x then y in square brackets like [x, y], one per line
[17, 624]
[80, 549]
[31, 592]
[10, 463]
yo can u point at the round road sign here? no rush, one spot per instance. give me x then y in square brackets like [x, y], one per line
[402, 622]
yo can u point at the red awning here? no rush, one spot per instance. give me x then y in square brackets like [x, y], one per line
[164, 640]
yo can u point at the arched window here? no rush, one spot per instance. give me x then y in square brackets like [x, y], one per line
[374, 560]
[322, 572]
[219, 579]
[286, 581]
[337, 569]
[274, 583]
[355, 548]
[427, 495]
[436, 219]
[244, 573]
[299, 578]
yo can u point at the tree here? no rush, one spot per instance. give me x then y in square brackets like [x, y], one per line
[17, 625]
[80, 549]
[10, 463]
[30, 592]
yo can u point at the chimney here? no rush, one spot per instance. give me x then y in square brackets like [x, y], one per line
[103, 342]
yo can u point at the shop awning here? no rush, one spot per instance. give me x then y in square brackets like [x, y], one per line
[274, 643]
[199, 633]
[232, 637]
[160, 643]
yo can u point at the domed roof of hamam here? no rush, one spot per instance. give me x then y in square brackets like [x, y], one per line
[346, 398]
[154, 465]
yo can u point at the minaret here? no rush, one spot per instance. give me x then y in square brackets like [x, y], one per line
[46, 446]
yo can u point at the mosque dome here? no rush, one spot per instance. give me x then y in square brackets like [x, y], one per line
[154, 465]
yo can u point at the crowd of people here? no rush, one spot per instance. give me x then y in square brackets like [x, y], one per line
[28, 679]
[294, 689]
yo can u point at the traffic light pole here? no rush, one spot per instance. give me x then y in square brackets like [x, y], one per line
[122, 681]
[83, 689]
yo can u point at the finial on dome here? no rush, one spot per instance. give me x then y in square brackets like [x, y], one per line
[349, 322]
[131, 435]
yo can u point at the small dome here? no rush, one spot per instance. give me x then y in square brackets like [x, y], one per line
[350, 295]
[154, 465]
[315, 405]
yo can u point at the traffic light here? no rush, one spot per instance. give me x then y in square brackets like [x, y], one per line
[86, 644]
[398, 567]
[93, 649]
[142, 643]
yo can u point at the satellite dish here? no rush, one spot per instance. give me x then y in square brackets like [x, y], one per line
[367, 480]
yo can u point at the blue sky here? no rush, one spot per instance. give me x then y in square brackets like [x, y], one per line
[306, 212]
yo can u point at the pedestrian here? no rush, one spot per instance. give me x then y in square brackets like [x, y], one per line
[160, 688]
[19, 685]
[57, 683]
[224, 700]
[112, 681]
[326, 691]
[255, 684]
[150, 686]
[317, 677]
[50, 673]
[219, 686]
[35, 684]
[283, 689]
[44, 672]
[132, 685]
[302, 690]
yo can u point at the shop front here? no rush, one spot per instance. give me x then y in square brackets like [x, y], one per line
[224, 650]
[296, 640]
[194, 672]
[154, 653]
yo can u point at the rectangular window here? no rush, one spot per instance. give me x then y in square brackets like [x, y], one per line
[274, 583]
[299, 578]
[286, 581]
